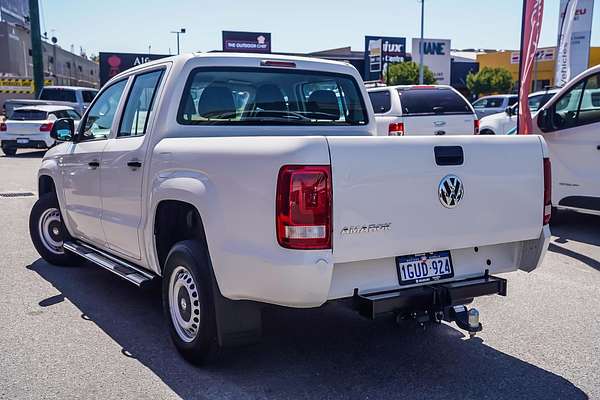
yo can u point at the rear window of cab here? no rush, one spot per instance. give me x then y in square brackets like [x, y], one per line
[270, 96]
[432, 101]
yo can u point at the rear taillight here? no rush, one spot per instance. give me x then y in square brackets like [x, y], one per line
[47, 127]
[3, 127]
[476, 127]
[303, 210]
[396, 129]
[547, 190]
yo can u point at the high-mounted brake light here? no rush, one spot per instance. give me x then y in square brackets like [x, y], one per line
[3, 127]
[547, 190]
[476, 127]
[47, 127]
[396, 129]
[273, 63]
[303, 209]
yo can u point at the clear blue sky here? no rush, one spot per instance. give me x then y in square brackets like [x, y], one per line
[298, 26]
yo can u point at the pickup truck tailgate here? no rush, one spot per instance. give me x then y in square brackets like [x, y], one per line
[394, 180]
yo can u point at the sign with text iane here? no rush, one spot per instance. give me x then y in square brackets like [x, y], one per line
[436, 55]
[247, 42]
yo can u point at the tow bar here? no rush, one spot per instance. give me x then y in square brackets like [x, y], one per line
[435, 302]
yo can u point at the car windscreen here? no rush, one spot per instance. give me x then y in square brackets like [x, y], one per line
[58, 95]
[28, 115]
[432, 101]
[270, 96]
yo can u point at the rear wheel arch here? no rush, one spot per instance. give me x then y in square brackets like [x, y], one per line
[175, 221]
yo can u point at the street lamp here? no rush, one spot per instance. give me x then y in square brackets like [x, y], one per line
[179, 32]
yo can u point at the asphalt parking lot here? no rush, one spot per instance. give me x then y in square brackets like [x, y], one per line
[80, 332]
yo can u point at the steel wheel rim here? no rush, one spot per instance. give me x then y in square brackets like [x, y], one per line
[184, 304]
[50, 230]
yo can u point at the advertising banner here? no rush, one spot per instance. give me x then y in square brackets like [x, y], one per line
[580, 26]
[247, 42]
[112, 64]
[562, 72]
[380, 51]
[533, 11]
[436, 55]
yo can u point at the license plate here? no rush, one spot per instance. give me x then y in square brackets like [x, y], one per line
[426, 267]
[22, 140]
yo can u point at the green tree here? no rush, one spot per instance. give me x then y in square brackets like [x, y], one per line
[407, 73]
[489, 80]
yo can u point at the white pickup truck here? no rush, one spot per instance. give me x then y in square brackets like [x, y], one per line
[243, 180]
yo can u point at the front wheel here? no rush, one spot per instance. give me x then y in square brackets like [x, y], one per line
[188, 302]
[48, 232]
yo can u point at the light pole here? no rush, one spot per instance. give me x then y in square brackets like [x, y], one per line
[179, 32]
[421, 43]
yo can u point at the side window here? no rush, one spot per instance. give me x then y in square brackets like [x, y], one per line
[381, 101]
[100, 117]
[512, 100]
[139, 104]
[481, 103]
[564, 111]
[589, 112]
[88, 95]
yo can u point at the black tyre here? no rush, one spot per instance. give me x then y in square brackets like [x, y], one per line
[48, 232]
[486, 132]
[9, 151]
[188, 302]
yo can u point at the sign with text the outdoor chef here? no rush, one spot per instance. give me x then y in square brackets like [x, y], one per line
[436, 55]
[580, 30]
[247, 42]
[380, 51]
[112, 64]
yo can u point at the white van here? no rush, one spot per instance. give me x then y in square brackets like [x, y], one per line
[422, 110]
[570, 123]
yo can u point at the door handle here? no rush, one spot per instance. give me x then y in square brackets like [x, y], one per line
[134, 164]
[94, 164]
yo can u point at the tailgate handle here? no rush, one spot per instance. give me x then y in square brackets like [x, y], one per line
[448, 155]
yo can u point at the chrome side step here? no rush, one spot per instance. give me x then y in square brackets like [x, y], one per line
[119, 267]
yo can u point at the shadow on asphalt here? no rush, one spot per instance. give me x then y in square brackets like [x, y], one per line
[578, 227]
[322, 353]
[26, 154]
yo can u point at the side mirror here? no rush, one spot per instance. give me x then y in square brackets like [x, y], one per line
[63, 130]
[544, 120]
[508, 111]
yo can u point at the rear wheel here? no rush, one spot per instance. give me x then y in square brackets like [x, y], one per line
[486, 132]
[188, 302]
[48, 232]
[9, 151]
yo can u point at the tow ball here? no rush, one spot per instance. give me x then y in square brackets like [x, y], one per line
[465, 319]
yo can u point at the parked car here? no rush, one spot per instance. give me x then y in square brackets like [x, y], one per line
[570, 123]
[504, 122]
[79, 98]
[488, 105]
[409, 110]
[29, 127]
[284, 198]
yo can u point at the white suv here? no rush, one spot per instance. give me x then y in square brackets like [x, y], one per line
[422, 110]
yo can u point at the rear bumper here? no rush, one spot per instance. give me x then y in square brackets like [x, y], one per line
[37, 143]
[435, 297]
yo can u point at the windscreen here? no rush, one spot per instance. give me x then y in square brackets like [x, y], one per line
[58, 95]
[430, 101]
[28, 115]
[259, 96]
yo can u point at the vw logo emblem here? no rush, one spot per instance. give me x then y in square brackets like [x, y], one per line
[450, 191]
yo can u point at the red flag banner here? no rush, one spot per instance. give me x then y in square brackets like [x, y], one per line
[533, 11]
